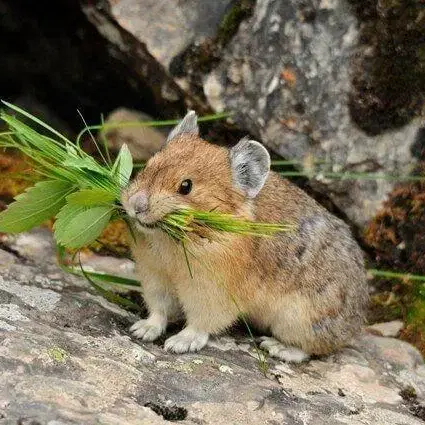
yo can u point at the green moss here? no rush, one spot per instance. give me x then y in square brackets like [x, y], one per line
[58, 355]
[389, 85]
[408, 393]
[416, 311]
[201, 58]
[240, 11]
[384, 307]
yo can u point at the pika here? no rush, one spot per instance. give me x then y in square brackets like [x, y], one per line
[307, 287]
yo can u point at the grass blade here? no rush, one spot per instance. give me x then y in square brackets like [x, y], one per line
[36, 120]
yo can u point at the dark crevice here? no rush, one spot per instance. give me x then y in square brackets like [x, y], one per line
[12, 251]
[418, 147]
[169, 413]
[50, 51]
[410, 399]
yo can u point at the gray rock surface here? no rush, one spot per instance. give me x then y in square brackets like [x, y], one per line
[160, 90]
[392, 328]
[66, 357]
[143, 142]
[169, 28]
[287, 76]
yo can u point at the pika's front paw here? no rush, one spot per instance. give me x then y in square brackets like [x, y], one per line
[147, 330]
[186, 341]
[288, 354]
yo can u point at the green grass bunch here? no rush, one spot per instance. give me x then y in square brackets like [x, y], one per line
[81, 193]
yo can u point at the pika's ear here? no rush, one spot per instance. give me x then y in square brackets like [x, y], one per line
[250, 164]
[189, 124]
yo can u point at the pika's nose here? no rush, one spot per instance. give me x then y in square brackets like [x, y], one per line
[139, 202]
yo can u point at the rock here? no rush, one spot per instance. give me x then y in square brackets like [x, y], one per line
[286, 75]
[69, 359]
[392, 328]
[6, 259]
[107, 264]
[135, 55]
[169, 29]
[143, 142]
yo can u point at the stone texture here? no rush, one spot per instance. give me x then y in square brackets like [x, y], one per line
[75, 362]
[143, 142]
[169, 28]
[392, 328]
[134, 56]
[287, 77]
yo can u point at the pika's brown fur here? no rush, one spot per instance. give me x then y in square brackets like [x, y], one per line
[307, 287]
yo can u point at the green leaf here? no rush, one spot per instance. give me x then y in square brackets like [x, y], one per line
[36, 120]
[114, 279]
[65, 215]
[78, 226]
[90, 197]
[34, 206]
[123, 166]
[71, 149]
[87, 163]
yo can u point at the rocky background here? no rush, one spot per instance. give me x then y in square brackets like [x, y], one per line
[337, 87]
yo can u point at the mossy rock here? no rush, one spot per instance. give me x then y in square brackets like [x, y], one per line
[389, 83]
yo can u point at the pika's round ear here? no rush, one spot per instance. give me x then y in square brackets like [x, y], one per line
[189, 124]
[250, 164]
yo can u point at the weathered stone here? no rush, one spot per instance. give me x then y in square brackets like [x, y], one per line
[168, 29]
[143, 142]
[107, 264]
[75, 362]
[388, 87]
[392, 328]
[287, 77]
[125, 47]
[6, 259]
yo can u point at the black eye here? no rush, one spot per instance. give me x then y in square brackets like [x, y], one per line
[185, 187]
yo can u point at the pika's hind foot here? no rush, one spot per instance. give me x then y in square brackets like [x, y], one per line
[187, 340]
[148, 330]
[288, 354]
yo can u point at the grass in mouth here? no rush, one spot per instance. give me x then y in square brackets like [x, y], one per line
[180, 224]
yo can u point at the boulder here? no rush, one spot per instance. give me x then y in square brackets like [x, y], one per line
[169, 28]
[142, 141]
[288, 77]
[67, 358]
[392, 328]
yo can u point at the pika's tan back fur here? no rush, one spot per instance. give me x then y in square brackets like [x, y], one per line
[306, 287]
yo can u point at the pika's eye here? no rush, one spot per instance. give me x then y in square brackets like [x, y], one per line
[185, 187]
